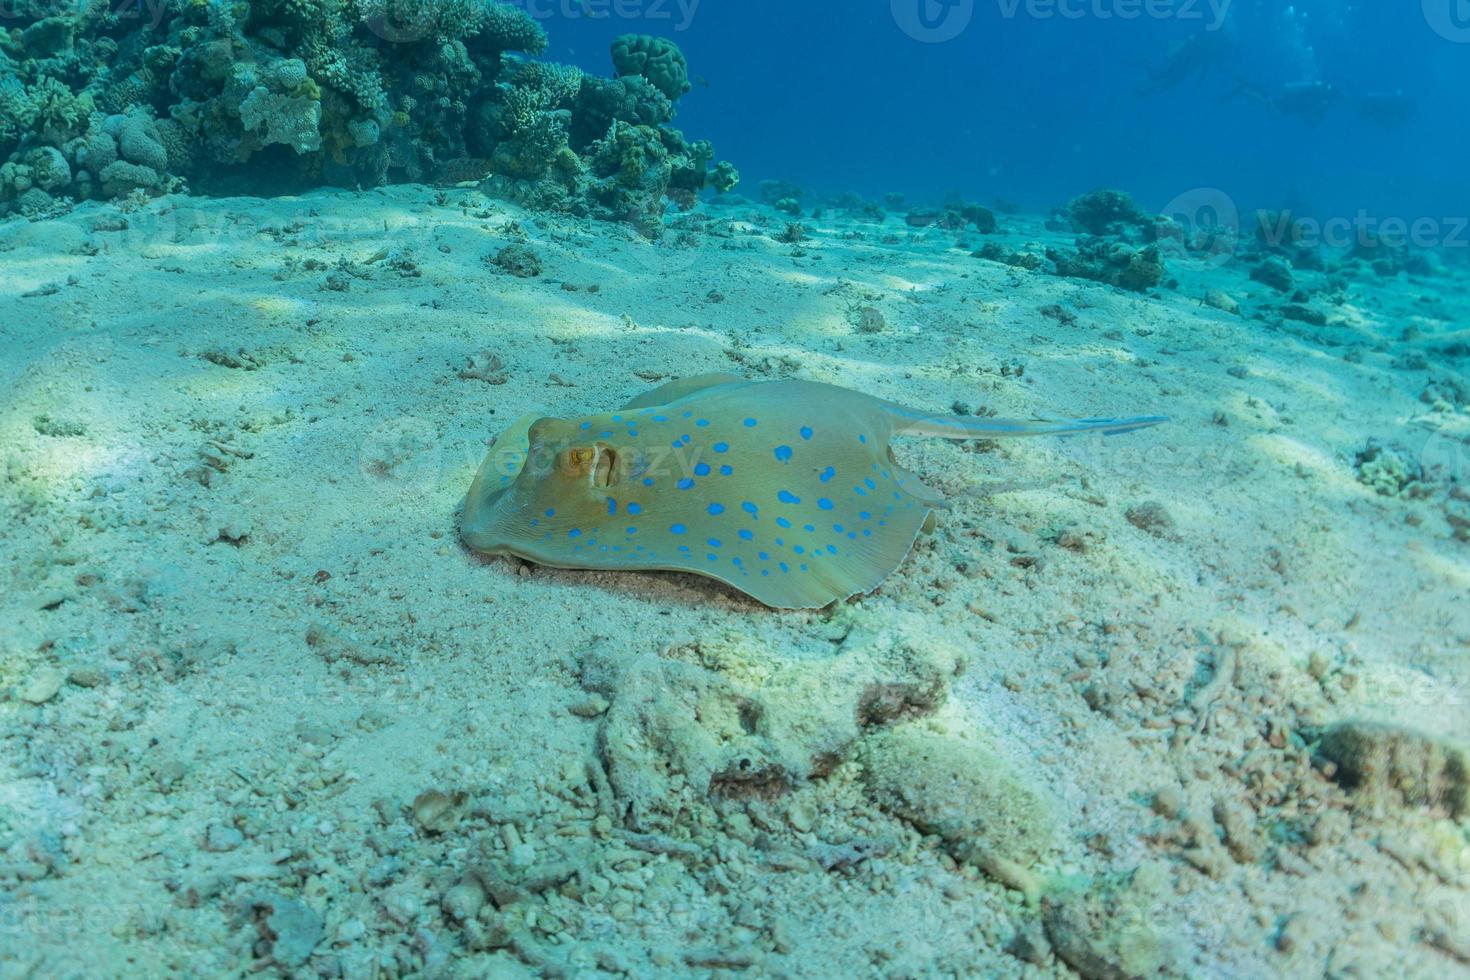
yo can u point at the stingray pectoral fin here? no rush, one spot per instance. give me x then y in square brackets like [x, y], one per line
[501, 467]
[910, 422]
[674, 390]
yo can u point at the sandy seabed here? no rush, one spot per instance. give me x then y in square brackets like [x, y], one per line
[1127, 711]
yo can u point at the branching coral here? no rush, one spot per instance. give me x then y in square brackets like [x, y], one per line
[501, 27]
[289, 119]
[60, 114]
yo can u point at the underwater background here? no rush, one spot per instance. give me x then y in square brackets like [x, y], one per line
[1042, 105]
[526, 489]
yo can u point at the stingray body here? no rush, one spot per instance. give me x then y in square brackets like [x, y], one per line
[786, 490]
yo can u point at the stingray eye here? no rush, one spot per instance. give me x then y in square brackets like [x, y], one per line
[577, 461]
[598, 464]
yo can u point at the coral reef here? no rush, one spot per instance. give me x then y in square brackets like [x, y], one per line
[1390, 472]
[1107, 212]
[656, 59]
[1114, 263]
[279, 95]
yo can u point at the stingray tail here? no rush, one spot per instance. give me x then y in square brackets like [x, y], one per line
[912, 423]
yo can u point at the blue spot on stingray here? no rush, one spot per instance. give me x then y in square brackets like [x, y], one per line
[808, 528]
[824, 503]
[746, 535]
[713, 557]
[870, 484]
[632, 531]
[826, 474]
[677, 529]
[648, 481]
[617, 418]
[783, 454]
[714, 542]
[860, 491]
[726, 470]
[635, 508]
[865, 515]
[701, 469]
[765, 572]
[685, 483]
[687, 415]
[612, 506]
[832, 549]
[702, 423]
[586, 425]
[862, 438]
[574, 533]
[605, 434]
[716, 508]
[721, 447]
[750, 423]
[551, 512]
[867, 533]
[799, 550]
[787, 497]
[633, 433]
[806, 432]
[780, 543]
[749, 508]
[782, 522]
[535, 521]
[852, 534]
[783, 566]
[660, 418]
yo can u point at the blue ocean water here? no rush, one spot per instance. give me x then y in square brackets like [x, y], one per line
[1035, 102]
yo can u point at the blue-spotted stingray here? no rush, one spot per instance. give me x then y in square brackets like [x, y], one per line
[786, 490]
